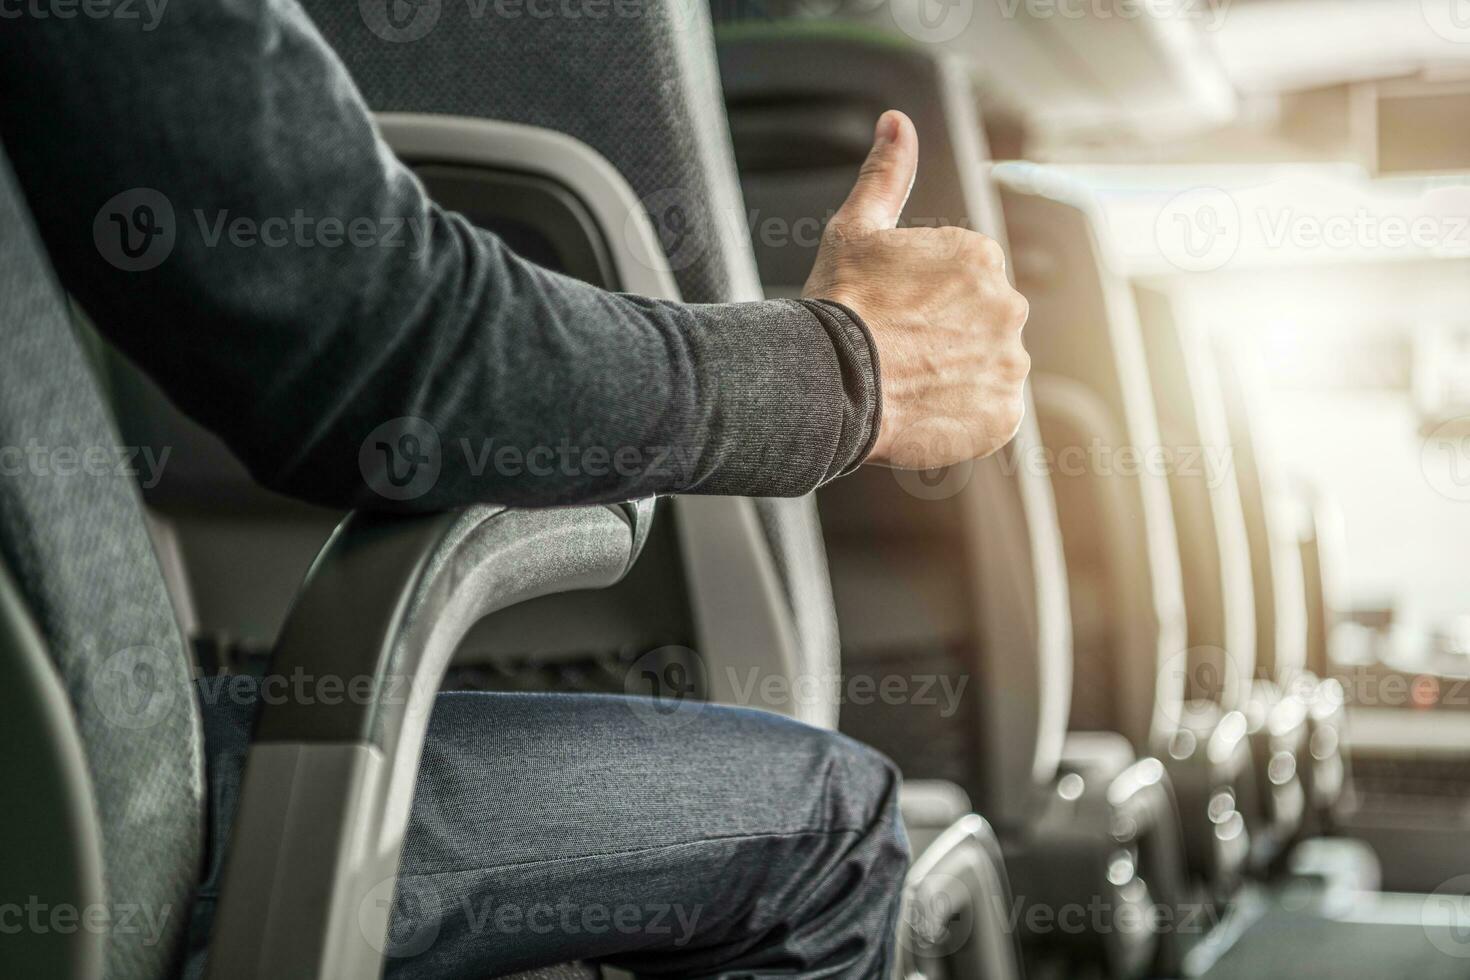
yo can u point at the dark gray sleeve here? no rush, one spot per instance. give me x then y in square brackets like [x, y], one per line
[354, 343]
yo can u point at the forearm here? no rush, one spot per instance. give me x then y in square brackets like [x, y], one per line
[312, 298]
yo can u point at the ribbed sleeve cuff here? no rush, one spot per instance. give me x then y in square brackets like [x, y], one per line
[795, 401]
[857, 360]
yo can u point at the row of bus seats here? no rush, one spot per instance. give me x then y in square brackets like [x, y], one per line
[959, 574]
[1146, 731]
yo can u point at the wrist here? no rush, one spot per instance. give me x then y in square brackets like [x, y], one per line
[861, 378]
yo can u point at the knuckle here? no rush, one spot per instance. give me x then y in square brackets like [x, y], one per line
[966, 245]
[1016, 409]
[955, 241]
[987, 252]
[943, 242]
[1016, 364]
[1020, 309]
[1009, 312]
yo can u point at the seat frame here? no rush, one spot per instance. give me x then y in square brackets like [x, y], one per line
[328, 790]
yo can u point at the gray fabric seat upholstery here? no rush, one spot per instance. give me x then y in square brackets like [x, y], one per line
[1211, 533]
[640, 89]
[1095, 406]
[1281, 627]
[77, 547]
[1215, 558]
[567, 971]
[958, 572]
[1320, 547]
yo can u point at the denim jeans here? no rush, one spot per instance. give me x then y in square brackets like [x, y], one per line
[706, 842]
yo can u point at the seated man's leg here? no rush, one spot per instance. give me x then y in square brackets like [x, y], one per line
[709, 842]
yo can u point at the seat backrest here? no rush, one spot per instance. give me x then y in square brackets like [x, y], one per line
[1214, 554]
[640, 86]
[802, 98]
[73, 540]
[958, 572]
[1096, 412]
[1280, 602]
[1320, 537]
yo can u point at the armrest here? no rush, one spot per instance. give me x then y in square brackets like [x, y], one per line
[1078, 868]
[1209, 762]
[956, 914]
[1277, 728]
[330, 777]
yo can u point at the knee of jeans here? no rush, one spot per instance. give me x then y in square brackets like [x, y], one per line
[871, 784]
[888, 813]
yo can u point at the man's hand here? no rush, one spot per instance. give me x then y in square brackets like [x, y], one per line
[946, 321]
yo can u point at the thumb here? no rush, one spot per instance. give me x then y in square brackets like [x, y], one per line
[887, 176]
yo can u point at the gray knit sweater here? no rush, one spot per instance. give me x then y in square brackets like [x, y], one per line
[212, 191]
